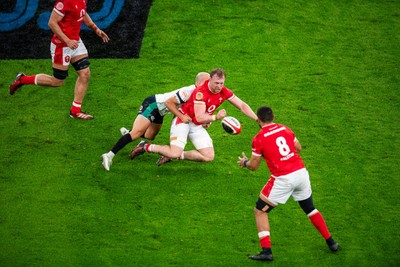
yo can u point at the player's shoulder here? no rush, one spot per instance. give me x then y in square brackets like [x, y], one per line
[63, 5]
[187, 88]
[184, 93]
[228, 92]
[284, 128]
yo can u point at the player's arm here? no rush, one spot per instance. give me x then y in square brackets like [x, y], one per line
[203, 117]
[297, 145]
[90, 24]
[55, 18]
[243, 107]
[172, 105]
[252, 164]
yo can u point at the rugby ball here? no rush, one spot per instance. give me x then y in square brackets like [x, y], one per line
[231, 125]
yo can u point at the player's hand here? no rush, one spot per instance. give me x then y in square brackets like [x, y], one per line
[185, 118]
[102, 35]
[221, 114]
[73, 44]
[206, 125]
[242, 160]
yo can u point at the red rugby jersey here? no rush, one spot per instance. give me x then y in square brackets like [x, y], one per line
[202, 94]
[73, 12]
[275, 143]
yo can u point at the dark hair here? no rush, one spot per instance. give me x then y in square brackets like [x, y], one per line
[265, 114]
[218, 72]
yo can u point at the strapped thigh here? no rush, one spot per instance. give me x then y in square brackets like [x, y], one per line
[262, 205]
[60, 74]
[81, 64]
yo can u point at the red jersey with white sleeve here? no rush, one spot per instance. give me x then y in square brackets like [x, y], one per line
[275, 143]
[72, 12]
[203, 95]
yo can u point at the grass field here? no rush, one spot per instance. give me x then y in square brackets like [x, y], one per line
[329, 69]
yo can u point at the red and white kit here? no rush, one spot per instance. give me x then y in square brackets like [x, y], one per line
[288, 174]
[194, 130]
[73, 13]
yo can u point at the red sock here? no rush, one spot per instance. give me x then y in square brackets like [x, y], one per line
[148, 148]
[318, 221]
[28, 79]
[265, 242]
[76, 107]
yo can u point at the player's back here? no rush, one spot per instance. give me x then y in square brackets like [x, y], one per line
[275, 143]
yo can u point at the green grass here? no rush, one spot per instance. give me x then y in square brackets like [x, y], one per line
[329, 69]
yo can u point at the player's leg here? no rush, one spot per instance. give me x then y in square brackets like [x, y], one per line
[60, 64]
[204, 154]
[263, 207]
[318, 221]
[139, 127]
[202, 141]
[178, 139]
[302, 193]
[60, 72]
[141, 123]
[152, 131]
[276, 191]
[81, 64]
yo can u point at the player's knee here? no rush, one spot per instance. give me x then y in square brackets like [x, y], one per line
[307, 205]
[177, 144]
[57, 82]
[175, 151]
[136, 134]
[84, 75]
[59, 77]
[208, 158]
[207, 154]
[82, 68]
[150, 137]
[176, 154]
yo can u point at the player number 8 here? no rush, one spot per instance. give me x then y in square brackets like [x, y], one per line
[282, 145]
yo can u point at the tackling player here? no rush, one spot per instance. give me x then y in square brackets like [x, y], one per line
[66, 48]
[201, 106]
[151, 115]
[279, 147]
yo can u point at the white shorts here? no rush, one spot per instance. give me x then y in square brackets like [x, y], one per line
[62, 55]
[197, 134]
[296, 184]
